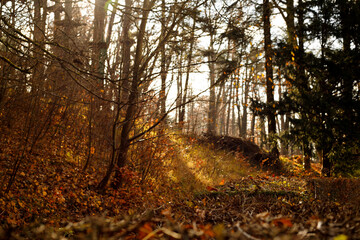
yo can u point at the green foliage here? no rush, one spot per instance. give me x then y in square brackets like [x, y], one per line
[323, 97]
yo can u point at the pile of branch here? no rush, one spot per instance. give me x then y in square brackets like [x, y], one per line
[256, 156]
[233, 144]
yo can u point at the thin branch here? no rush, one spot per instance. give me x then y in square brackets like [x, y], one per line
[27, 71]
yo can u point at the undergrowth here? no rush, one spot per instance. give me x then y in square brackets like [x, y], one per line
[192, 188]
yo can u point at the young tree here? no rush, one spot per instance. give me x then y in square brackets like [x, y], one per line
[133, 96]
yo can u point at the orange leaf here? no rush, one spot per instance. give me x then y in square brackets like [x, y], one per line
[92, 150]
[166, 212]
[145, 230]
[210, 189]
[222, 182]
[282, 222]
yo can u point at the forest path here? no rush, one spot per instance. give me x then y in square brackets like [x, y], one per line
[204, 167]
[225, 193]
[196, 165]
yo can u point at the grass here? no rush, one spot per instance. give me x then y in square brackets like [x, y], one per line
[196, 166]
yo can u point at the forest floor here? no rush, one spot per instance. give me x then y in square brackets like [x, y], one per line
[207, 189]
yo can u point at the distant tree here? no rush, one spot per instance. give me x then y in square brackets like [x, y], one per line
[190, 55]
[209, 26]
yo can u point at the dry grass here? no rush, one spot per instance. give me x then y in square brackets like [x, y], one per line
[196, 166]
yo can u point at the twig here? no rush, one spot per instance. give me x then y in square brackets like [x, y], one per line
[245, 233]
[164, 230]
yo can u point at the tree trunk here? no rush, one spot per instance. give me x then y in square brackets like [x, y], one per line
[126, 57]
[268, 67]
[326, 166]
[188, 69]
[179, 88]
[290, 23]
[39, 37]
[123, 87]
[348, 73]
[302, 78]
[163, 64]
[99, 45]
[222, 110]
[229, 110]
[212, 109]
[233, 116]
[245, 108]
[133, 97]
[307, 155]
[252, 128]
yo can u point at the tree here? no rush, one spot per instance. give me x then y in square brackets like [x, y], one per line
[140, 63]
[99, 44]
[269, 74]
[163, 62]
[317, 95]
[188, 69]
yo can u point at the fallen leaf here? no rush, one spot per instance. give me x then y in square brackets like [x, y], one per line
[341, 237]
[282, 222]
[211, 189]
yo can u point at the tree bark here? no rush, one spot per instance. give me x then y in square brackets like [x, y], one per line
[133, 97]
[245, 108]
[126, 53]
[307, 155]
[190, 56]
[347, 74]
[212, 108]
[227, 126]
[269, 70]
[163, 64]
[39, 37]
[99, 45]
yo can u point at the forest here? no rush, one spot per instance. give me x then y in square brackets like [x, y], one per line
[180, 119]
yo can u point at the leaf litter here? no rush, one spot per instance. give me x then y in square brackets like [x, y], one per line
[261, 205]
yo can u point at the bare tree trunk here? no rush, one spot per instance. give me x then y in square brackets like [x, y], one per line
[111, 24]
[222, 110]
[252, 128]
[307, 155]
[190, 56]
[126, 57]
[133, 97]
[233, 117]
[229, 110]
[245, 107]
[269, 73]
[239, 120]
[90, 134]
[179, 89]
[163, 64]
[262, 131]
[347, 75]
[99, 45]
[284, 126]
[39, 37]
[326, 163]
[253, 119]
[212, 109]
